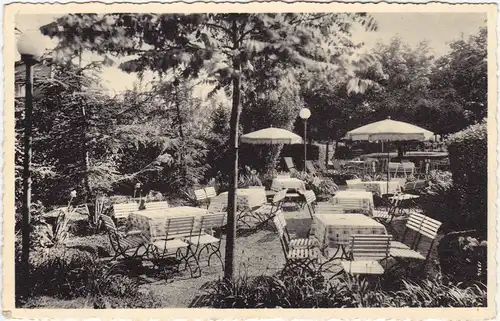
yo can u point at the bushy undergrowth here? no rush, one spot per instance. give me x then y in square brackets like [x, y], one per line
[309, 291]
[66, 274]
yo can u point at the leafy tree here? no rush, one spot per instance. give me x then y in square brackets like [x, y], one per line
[460, 83]
[223, 45]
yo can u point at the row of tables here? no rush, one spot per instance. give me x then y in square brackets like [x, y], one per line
[329, 229]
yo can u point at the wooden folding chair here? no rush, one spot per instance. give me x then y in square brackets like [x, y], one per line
[295, 242]
[423, 226]
[301, 258]
[130, 245]
[217, 205]
[204, 237]
[385, 216]
[309, 200]
[172, 244]
[122, 211]
[267, 211]
[201, 197]
[364, 254]
[210, 192]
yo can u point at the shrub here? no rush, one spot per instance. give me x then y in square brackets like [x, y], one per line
[437, 200]
[326, 188]
[437, 293]
[70, 273]
[468, 153]
[463, 256]
[305, 290]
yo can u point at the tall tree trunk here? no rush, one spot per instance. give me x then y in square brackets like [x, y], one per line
[28, 119]
[233, 179]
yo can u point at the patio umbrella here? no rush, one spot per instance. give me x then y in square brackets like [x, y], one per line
[389, 130]
[271, 136]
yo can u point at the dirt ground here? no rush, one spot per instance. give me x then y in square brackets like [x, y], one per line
[256, 254]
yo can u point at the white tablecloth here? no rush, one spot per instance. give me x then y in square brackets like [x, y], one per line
[247, 198]
[334, 230]
[288, 182]
[355, 200]
[152, 222]
[379, 187]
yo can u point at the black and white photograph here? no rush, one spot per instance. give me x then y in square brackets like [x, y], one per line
[251, 158]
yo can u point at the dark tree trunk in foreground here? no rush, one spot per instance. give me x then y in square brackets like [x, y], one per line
[233, 180]
[28, 119]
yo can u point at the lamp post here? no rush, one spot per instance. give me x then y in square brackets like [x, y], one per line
[305, 113]
[30, 48]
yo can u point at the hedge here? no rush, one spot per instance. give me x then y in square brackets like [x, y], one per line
[468, 153]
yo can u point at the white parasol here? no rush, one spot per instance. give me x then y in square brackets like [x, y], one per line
[271, 136]
[389, 130]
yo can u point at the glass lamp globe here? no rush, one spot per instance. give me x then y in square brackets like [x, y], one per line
[305, 113]
[31, 43]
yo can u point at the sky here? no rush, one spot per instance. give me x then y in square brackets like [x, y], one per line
[439, 29]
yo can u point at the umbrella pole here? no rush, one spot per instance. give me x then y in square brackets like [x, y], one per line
[388, 160]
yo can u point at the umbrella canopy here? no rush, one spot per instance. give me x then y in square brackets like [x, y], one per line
[271, 136]
[389, 130]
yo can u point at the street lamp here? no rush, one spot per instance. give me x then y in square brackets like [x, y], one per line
[31, 49]
[305, 113]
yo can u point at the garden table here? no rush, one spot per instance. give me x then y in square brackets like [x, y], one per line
[152, 222]
[247, 200]
[355, 200]
[379, 187]
[336, 230]
[288, 183]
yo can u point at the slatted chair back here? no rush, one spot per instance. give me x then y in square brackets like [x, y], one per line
[310, 167]
[110, 226]
[200, 195]
[280, 227]
[217, 204]
[423, 226]
[211, 221]
[123, 210]
[210, 192]
[163, 205]
[366, 247]
[179, 227]
[329, 208]
[309, 201]
[289, 164]
[430, 227]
